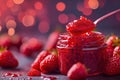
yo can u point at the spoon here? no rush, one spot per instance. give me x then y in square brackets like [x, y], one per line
[105, 16]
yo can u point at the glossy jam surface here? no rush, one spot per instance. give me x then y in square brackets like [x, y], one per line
[79, 26]
[86, 48]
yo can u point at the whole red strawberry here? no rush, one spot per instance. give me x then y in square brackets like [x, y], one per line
[116, 50]
[7, 59]
[5, 41]
[79, 26]
[39, 58]
[52, 40]
[112, 40]
[34, 72]
[49, 64]
[30, 47]
[77, 72]
[112, 67]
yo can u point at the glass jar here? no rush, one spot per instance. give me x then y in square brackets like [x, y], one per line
[87, 48]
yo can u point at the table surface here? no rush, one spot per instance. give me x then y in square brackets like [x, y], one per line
[24, 66]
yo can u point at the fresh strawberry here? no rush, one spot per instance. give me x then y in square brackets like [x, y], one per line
[7, 59]
[77, 72]
[52, 40]
[34, 72]
[116, 50]
[16, 40]
[109, 53]
[49, 64]
[79, 26]
[30, 47]
[112, 40]
[39, 58]
[5, 41]
[112, 67]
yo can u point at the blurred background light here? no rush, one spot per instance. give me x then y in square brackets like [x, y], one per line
[45, 16]
[44, 27]
[38, 5]
[28, 20]
[63, 18]
[18, 1]
[0, 28]
[11, 31]
[11, 24]
[60, 6]
[93, 4]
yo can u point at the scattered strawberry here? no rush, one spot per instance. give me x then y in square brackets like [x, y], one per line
[112, 67]
[77, 72]
[49, 64]
[5, 41]
[52, 40]
[79, 26]
[34, 72]
[39, 58]
[30, 47]
[16, 40]
[7, 59]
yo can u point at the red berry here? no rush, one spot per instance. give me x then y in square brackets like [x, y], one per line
[49, 64]
[16, 40]
[77, 72]
[30, 47]
[112, 40]
[5, 41]
[112, 67]
[34, 72]
[52, 40]
[7, 59]
[116, 50]
[39, 58]
[79, 26]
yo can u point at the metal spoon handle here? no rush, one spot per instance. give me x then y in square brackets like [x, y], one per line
[105, 16]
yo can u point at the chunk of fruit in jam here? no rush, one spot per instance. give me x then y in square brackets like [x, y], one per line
[79, 26]
[84, 45]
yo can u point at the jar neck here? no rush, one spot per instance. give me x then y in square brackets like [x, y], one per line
[87, 40]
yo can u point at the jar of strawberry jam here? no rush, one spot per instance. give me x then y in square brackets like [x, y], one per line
[81, 44]
[86, 48]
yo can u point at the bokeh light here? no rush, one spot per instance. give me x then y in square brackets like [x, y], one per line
[87, 11]
[18, 1]
[93, 4]
[38, 5]
[9, 3]
[28, 20]
[11, 24]
[11, 31]
[80, 7]
[60, 6]
[44, 26]
[63, 18]
[0, 28]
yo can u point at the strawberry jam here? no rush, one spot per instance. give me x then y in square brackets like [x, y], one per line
[81, 44]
